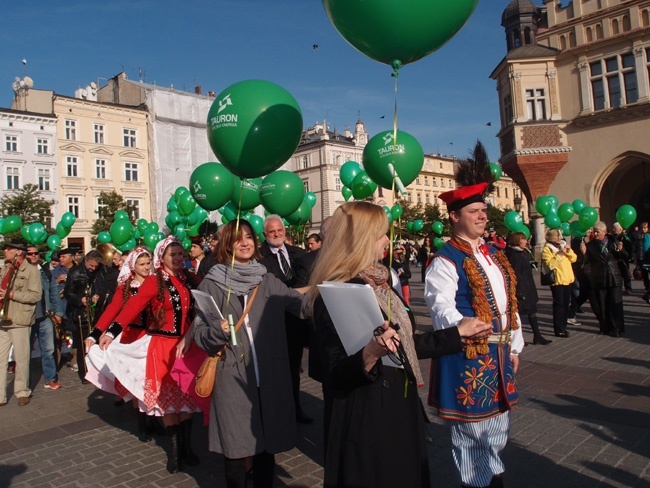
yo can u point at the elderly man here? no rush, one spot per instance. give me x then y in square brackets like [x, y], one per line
[48, 309]
[474, 390]
[20, 290]
[280, 259]
[626, 244]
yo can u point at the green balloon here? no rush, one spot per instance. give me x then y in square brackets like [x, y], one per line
[53, 242]
[543, 205]
[310, 198]
[173, 219]
[121, 215]
[626, 215]
[150, 239]
[388, 214]
[229, 211]
[254, 127]
[246, 193]
[172, 206]
[438, 228]
[186, 204]
[346, 192]
[103, 237]
[2, 223]
[179, 192]
[587, 217]
[12, 224]
[396, 211]
[142, 225]
[565, 228]
[552, 221]
[121, 231]
[68, 219]
[397, 32]
[576, 229]
[523, 229]
[496, 171]
[211, 185]
[578, 205]
[565, 212]
[24, 232]
[38, 233]
[180, 232]
[62, 231]
[187, 243]
[418, 225]
[48, 256]
[554, 201]
[194, 230]
[407, 158]
[348, 171]
[128, 245]
[409, 226]
[282, 192]
[302, 215]
[363, 186]
[438, 243]
[153, 227]
[257, 223]
[512, 220]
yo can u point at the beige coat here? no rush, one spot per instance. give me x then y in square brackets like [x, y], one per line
[27, 291]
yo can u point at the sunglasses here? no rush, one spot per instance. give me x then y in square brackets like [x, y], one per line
[32, 253]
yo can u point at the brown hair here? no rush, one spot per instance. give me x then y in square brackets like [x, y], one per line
[515, 237]
[231, 234]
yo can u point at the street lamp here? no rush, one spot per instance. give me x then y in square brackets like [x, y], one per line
[517, 199]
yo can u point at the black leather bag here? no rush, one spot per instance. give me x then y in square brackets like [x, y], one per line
[547, 277]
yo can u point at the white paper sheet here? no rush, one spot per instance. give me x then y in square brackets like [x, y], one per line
[207, 307]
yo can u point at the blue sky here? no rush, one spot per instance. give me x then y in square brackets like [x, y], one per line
[444, 98]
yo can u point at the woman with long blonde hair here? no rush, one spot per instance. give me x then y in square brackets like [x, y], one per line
[376, 422]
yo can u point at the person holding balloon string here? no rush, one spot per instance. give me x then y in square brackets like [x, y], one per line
[252, 411]
[144, 367]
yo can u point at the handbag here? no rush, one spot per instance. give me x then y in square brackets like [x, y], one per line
[547, 278]
[206, 377]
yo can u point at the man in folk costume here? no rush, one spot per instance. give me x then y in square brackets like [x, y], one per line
[475, 390]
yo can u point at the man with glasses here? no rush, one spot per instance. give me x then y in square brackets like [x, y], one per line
[20, 290]
[604, 256]
[49, 308]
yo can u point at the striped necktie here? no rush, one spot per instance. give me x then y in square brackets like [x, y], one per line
[286, 269]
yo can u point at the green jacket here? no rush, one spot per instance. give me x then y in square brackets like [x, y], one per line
[27, 291]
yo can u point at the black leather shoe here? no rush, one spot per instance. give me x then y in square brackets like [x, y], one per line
[541, 341]
[561, 334]
[303, 419]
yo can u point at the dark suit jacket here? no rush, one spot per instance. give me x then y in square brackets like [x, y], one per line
[604, 263]
[304, 266]
[270, 261]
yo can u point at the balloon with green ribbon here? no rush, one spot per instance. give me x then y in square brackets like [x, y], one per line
[404, 155]
[254, 127]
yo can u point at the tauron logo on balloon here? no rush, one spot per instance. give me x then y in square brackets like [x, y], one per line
[197, 188]
[389, 147]
[224, 120]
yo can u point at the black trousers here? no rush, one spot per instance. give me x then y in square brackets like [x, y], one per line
[79, 335]
[561, 301]
[263, 471]
[609, 301]
[297, 339]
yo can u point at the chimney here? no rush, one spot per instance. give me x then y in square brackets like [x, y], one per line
[197, 89]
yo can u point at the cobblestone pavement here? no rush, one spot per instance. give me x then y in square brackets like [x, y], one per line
[583, 421]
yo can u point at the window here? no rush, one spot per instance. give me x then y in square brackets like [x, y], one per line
[409, 197]
[129, 137]
[42, 146]
[44, 179]
[99, 133]
[451, 183]
[305, 162]
[440, 164]
[426, 197]
[419, 198]
[131, 171]
[536, 104]
[337, 184]
[72, 168]
[11, 143]
[71, 130]
[426, 181]
[305, 183]
[100, 169]
[435, 181]
[442, 182]
[135, 204]
[507, 109]
[613, 81]
[13, 178]
[506, 191]
[73, 206]
[417, 180]
[99, 206]
[498, 192]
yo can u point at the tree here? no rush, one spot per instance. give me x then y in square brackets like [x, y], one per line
[29, 205]
[414, 211]
[496, 220]
[109, 203]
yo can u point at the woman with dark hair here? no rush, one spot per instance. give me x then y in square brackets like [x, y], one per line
[168, 337]
[376, 434]
[252, 412]
[424, 254]
[522, 260]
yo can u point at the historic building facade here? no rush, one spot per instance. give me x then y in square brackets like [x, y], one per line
[574, 95]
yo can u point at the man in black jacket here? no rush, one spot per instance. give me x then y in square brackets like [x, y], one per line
[280, 259]
[80, 292]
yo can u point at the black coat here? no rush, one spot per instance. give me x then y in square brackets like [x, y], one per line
[377, 432]
[270, 261]
[527, 297]
[78, 285]
[604, 263]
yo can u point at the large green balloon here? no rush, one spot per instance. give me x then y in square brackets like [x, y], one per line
[211, 185]
[588, 217]
[246, 194]
[396, 211]
[121, 231]
[578, 205]
[565, 212]
[103, 237]
[62, 231]
[543, 205]
[407, 158]
[512, 220]
[302, 215]
[282, 192]
[399, 31]
[38, 233]
[119, 215]
[68, 219]
[348, 171]
[438, 228]
[257, 223]
[254, 127]
[12, 224]
[626, 215]
[186, 204]
[523, 229]
[24, 232]
[418, 225]
[363, 186]
[552, 221]
[576, 229]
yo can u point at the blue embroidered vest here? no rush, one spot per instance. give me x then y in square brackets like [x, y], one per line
[477, 389]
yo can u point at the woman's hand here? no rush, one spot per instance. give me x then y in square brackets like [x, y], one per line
[514, 359]
[183, 346]
[474, 328]
[379, 346]
[88, 343]
[105, 341]
[225, 326]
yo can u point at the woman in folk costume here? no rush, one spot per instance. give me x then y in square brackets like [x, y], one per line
[135, 270]
[376, 435]
[252, 409]
[167, 292]
[475, 389]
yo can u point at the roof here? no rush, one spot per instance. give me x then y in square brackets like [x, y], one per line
[29, 114]
[531, 51]
[519, 7]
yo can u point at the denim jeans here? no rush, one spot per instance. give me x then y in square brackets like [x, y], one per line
[44, 331]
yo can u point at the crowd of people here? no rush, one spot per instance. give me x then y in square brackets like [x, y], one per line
[134, 323]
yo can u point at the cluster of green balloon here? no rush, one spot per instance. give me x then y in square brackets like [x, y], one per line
[398, 32]
[35, 233]
[384, 158]
[393, 213]
[254, 127]
[558, 217]
[10, 224]
[185, 217]
[626, 216]
[415, 226]
[62, 229]
[282, 192]
[515, 223]
[356, 182]
[438, 228]
[303, 215]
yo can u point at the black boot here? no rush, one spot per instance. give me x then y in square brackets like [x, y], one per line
[143, 432]
[187, 456]
[172, 453]
[155, 425]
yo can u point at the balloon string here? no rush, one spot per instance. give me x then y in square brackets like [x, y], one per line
[232, 261]
[390, 258]
[395, 75]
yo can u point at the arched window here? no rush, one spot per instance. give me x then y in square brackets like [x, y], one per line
[590, 34]
[572, 39]
[626, 23]
[527, 40]
[599, 31]
[305, 162]
[516, 38]
[645, 18]
[615, 29]
[562, 43]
